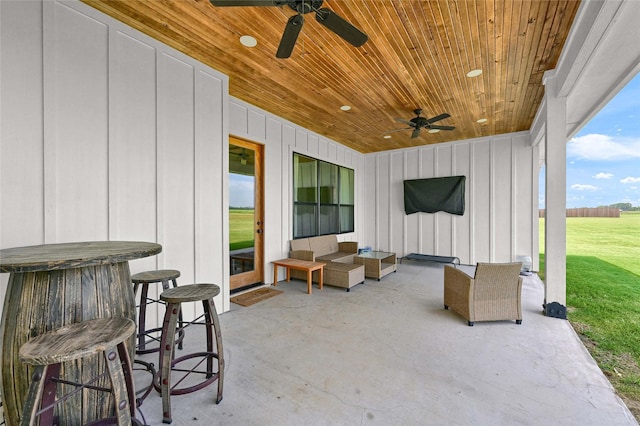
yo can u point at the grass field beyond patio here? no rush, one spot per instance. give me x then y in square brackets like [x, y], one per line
[240, 228]
[603, 295]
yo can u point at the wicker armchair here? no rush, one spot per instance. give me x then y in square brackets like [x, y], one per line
[494, 293]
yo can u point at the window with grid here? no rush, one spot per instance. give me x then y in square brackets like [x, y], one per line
[323, 198]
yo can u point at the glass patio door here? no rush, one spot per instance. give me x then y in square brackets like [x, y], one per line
[245, 213]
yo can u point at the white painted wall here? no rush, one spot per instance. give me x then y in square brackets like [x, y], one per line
[108, 134]
[281, 139]
[500, 219]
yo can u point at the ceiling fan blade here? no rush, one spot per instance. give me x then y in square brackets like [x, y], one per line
[398, 130]
[341, 27]
[442, 127]
[438, 118]
[224, 3]
[290, 36]
[416, 133]
[402, 120]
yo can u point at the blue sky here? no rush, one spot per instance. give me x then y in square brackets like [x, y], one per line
[240, 190]
[603, 159]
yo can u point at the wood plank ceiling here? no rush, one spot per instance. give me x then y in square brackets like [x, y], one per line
[417, 56]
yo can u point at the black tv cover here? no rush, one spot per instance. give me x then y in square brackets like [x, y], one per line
[434, 194]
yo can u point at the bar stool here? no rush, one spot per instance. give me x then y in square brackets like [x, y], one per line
[143, 279]
[47, 351]
[174, 298]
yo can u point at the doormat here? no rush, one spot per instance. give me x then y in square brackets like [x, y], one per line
[255, 296]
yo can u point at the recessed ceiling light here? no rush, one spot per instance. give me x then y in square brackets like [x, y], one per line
[482, 120]
[345, 107]
[474, 73]
[434, 130]
[387, 136]
[248, 41]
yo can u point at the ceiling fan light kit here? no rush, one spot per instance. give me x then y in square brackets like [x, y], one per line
[324, 16]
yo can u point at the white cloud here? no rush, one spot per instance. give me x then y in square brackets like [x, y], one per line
[603, 147]
[602, 175]
[581, 187]
[630, 179]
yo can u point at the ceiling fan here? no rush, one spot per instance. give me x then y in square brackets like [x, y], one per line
[325, 16]
[418, 122]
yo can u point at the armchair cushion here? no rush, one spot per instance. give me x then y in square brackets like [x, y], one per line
[493, 293]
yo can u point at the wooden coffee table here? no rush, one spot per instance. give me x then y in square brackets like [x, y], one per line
[300, 265]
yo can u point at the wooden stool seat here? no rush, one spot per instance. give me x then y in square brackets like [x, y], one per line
[209, 319]
[190, 293]
[143, 280]
[155, 276]
[76, 341]
[48, 351]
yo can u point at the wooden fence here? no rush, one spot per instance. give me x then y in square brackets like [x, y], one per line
[589, 212]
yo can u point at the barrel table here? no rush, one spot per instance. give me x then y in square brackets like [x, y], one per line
[53, 285]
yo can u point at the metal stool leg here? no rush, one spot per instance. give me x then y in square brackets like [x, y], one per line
[120, 385]
[127, 370]
[166, 352]
[37, 396]
[142, 318]
[213, 325]
[165, 286]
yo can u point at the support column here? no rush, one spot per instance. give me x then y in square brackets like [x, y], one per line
[555, 300]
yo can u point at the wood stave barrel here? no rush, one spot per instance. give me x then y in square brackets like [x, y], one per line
[49, 300]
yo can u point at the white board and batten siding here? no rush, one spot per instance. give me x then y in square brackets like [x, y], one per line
[500, 219]
[111, 135]
[281, 139]
[107, 134]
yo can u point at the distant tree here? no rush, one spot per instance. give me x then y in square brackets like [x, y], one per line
[625, 207]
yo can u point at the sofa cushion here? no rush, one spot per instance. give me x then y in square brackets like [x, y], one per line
[301, 244]
[340, 257]
[323, 245]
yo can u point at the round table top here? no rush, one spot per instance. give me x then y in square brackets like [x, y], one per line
[49, 257]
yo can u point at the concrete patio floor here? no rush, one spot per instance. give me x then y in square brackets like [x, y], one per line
[387, 353]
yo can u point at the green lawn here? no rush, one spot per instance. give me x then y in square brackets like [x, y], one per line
[603, 295]
[240, 228]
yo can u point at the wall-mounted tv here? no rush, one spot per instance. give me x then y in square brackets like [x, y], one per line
[435, 194]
